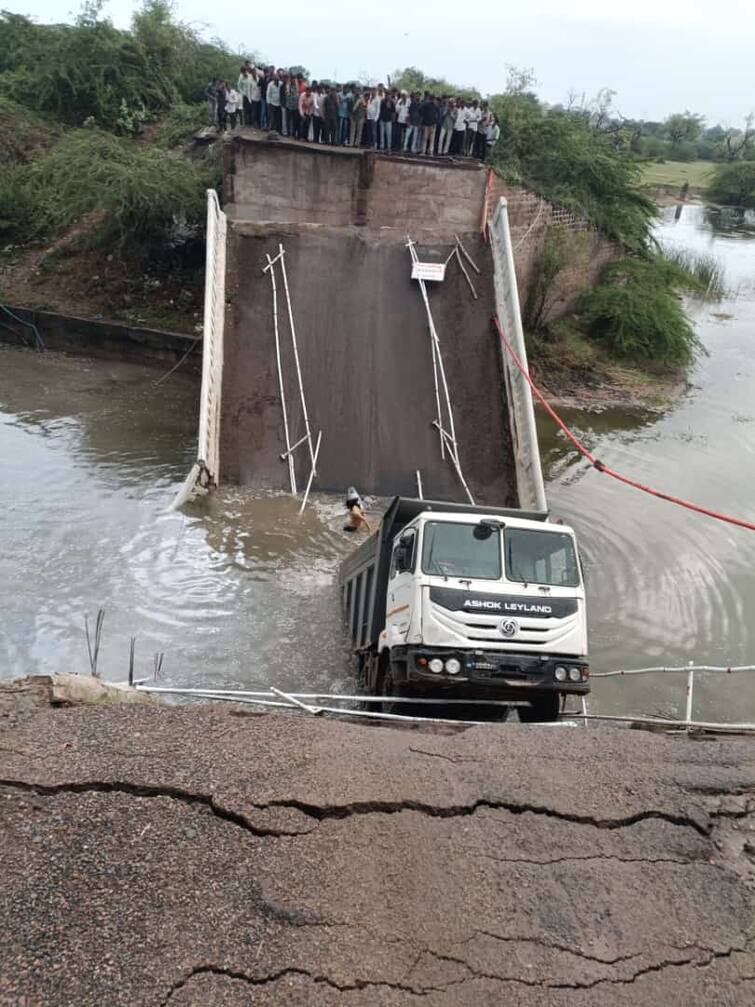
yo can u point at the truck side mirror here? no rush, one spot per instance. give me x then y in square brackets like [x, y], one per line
[404, 554]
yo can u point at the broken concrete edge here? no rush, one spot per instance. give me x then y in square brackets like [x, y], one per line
[68, 689]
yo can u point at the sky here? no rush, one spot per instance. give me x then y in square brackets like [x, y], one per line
[659, 56]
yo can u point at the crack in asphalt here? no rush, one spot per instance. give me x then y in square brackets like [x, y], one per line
[319, 813]
[419, 991]
[359, 984]
[594, 856]
[356, 808]
[578, 952]
[648, 970]
[142, 790]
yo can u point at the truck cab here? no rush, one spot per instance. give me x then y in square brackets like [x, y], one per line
[479, 604]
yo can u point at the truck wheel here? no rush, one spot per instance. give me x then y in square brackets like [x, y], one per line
[544, 709]
[387, 689]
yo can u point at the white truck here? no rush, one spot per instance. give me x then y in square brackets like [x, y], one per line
[467, 602]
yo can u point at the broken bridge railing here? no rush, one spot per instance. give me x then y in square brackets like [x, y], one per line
[444, 419]
[204, 472]
[287, 456]
[317, 703]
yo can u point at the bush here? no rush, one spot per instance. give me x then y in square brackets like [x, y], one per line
[118, 78]
[180, 124]
[684, 151]
[16, 207]
[635, 311]
[734, 184]
[550, 260]
[137, 199]
[22, 133]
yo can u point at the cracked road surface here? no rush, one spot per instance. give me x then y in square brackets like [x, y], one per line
[200, 856]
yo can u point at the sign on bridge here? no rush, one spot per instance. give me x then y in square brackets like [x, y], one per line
[435, 271]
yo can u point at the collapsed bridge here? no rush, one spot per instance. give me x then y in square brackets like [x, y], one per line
[349, 297]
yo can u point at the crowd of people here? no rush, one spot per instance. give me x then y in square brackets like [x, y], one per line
[383, 118]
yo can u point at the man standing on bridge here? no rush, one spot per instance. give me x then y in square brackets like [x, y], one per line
[273, 98]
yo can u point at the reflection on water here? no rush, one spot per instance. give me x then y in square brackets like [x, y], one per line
[237, 591]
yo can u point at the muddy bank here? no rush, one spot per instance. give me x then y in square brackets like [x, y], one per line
[202, 855]
[577, 375]
[596, 391]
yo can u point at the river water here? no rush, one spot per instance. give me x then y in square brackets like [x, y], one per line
[237, 592]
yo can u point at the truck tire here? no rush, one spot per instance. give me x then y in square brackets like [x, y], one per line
[387, 688]
[544, 709]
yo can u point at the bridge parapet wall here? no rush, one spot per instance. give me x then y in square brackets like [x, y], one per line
[275, 181]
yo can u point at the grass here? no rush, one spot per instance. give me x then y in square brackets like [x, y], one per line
[673, 174]
[705, 271]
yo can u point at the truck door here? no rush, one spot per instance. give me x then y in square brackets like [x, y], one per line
[401, 588]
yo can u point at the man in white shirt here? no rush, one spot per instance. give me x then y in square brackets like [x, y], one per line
[273, 98]
[233, 106]
[473, 117]
[491, 137]
[255, 96]
[373, 114]
[402, 118]
[318, 120]
[460, 128]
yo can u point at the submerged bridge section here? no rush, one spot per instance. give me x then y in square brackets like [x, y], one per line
[336, 337]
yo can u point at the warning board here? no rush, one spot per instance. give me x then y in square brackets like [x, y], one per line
[435, 271]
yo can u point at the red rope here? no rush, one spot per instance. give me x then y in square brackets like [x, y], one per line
[597, 463]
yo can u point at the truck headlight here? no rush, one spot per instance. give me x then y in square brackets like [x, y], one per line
[575, 674]
[436, 665]
[453, 667]
[560, 673]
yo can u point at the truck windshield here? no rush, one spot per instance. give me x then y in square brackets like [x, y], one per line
[451, 550]
[540, 557]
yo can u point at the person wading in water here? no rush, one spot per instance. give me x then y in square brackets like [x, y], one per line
[355, 507]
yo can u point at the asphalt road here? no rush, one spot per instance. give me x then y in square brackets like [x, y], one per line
[200, 855]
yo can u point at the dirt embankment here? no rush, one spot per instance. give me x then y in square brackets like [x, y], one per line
[576, 375]
[200, 855]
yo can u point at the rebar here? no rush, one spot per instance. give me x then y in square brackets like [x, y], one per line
[93, 646]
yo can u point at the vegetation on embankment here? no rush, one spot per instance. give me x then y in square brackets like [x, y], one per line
[101, 203]
[628, 334]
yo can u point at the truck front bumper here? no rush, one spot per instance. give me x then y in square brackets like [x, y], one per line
[488, 674]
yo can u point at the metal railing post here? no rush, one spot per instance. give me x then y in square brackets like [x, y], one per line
[291, 472]
[690, 695]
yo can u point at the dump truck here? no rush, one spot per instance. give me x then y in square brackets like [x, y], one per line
[462, 602]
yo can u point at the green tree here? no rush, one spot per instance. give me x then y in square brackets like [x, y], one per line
[564, 156]
[737, 144]
[411, 79]
[683, 127]
[734, 184]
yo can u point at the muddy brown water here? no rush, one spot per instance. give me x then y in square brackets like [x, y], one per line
[237, 592]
